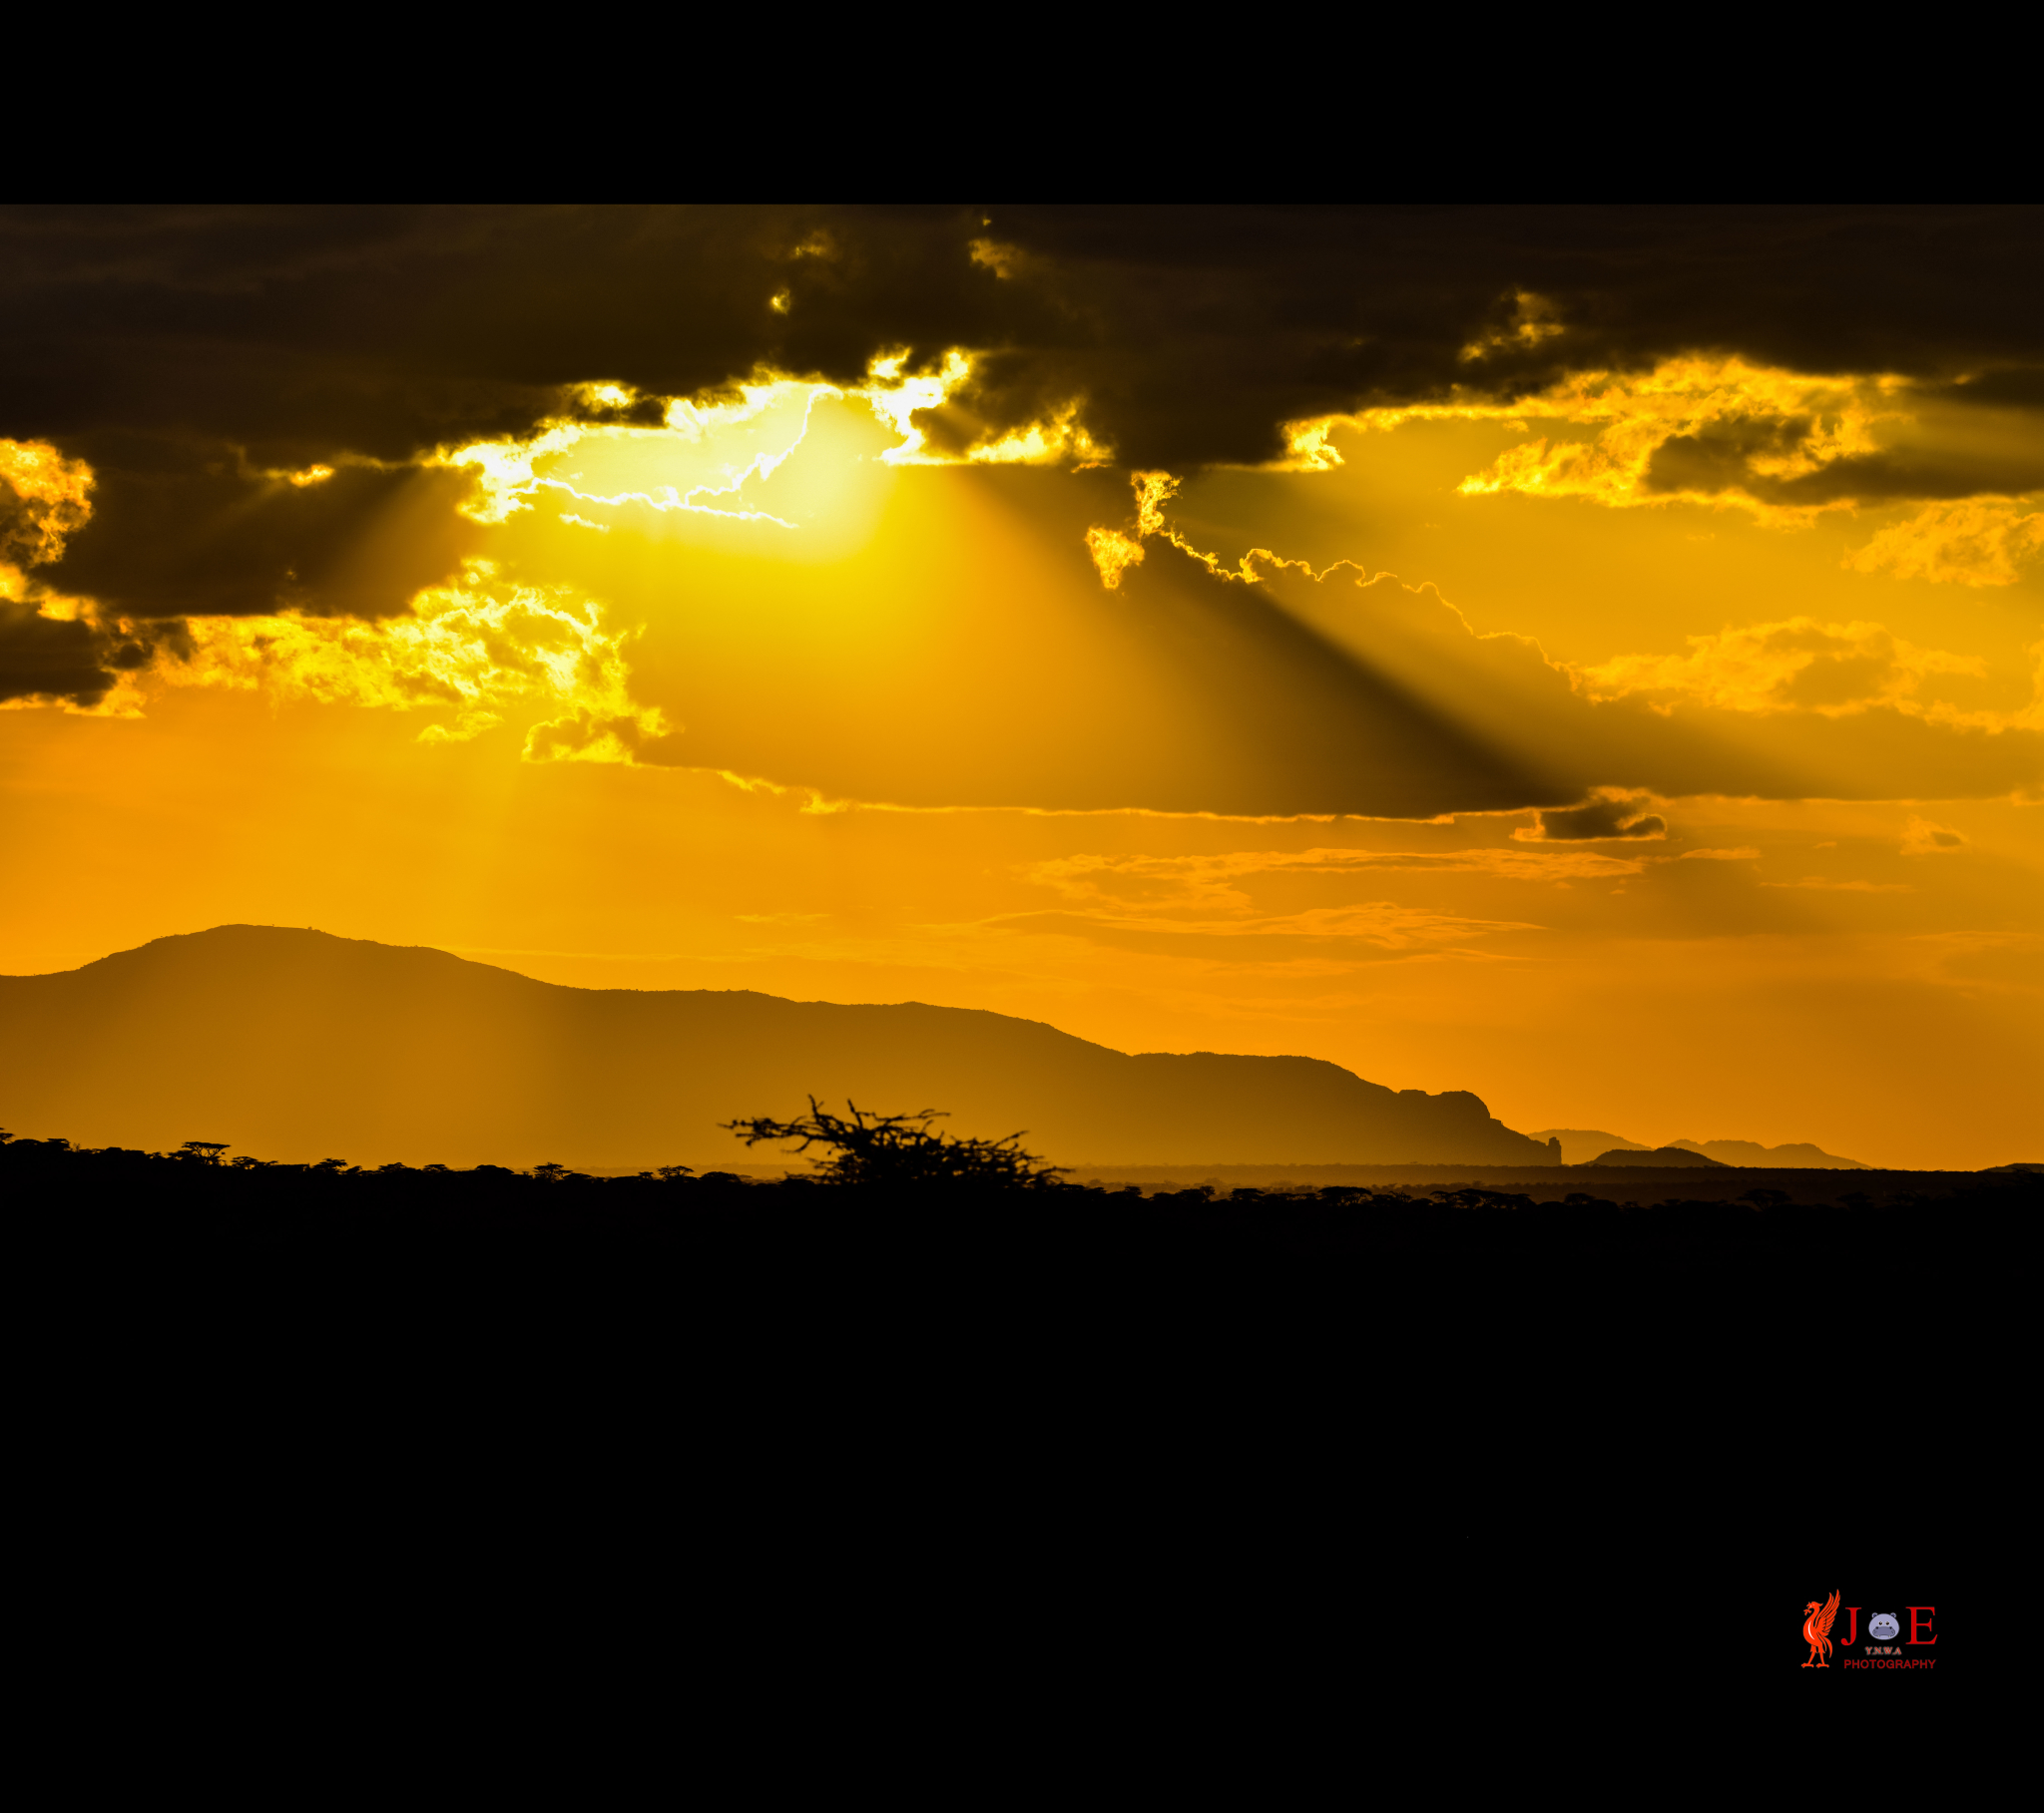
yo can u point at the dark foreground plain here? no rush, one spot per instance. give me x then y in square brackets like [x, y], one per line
[766, 1433]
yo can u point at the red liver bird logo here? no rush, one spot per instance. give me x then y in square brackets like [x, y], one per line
[1816, 1631]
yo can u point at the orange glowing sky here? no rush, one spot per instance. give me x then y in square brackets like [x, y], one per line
[1646, 738]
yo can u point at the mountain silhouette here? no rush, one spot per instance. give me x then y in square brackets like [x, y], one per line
[297, 1045]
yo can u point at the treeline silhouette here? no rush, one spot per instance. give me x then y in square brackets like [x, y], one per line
[894, 1183]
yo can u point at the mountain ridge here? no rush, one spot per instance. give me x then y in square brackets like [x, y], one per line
[296, 1044]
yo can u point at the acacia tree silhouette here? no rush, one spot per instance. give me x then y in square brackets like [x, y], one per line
[901, 1151]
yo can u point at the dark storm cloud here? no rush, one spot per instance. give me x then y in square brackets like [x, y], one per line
[299, 333]
[44, 658]
[241, 340]
[1720, 459]
[70, 662]
[1609, 816]
[180, 528]
[185, 528]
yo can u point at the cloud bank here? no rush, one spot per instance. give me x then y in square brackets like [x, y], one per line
[226, 414]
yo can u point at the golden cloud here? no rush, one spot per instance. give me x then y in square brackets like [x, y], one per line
[481, 649]
[1002, 259]
[1801, 665]
[1783, 425]
[1113, 553]
[1724, 432]
[1208, 882]
[1383, 923]
[1534, 319]
[1826, 885]
[1922, 838]
[1974, 542]
[44, 500]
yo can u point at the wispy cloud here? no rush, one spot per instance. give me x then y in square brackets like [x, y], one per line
[1844, 887]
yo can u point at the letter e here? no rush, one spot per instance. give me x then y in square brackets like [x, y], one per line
[1914, 1637]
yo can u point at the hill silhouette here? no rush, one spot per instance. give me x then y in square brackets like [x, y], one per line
[1798, 1157]
[305, 1045]
[1661, 1157]
[1586, 1145]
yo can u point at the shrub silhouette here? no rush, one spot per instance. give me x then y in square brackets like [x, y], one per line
[901, 1152]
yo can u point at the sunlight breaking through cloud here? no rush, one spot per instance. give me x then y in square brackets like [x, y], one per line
[706, 454]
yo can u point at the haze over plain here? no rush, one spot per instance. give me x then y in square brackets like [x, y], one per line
[1586, 657]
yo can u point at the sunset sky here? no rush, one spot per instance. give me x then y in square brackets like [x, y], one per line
[1592, 658]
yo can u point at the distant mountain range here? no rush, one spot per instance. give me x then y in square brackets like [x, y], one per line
[296, 1045]
[1583, 1145]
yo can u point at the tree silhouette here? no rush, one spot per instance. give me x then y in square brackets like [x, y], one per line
[555, 1172]
[901, 1151]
